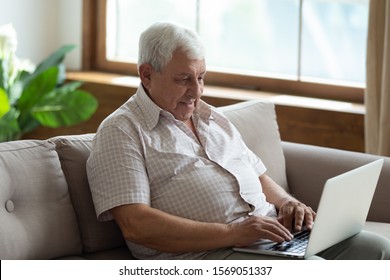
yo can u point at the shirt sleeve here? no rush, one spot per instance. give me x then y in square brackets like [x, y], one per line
[255, 162]
[116, 171]
[249, 156]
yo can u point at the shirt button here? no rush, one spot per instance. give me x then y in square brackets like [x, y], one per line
[9, 206]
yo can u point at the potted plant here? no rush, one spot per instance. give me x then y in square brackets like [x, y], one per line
[34, 96]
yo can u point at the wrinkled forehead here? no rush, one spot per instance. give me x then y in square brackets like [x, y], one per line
[182, 63]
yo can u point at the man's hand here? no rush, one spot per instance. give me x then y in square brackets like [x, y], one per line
[294, 215]
[259, 227]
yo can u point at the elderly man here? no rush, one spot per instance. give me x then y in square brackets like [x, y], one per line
[175, 174]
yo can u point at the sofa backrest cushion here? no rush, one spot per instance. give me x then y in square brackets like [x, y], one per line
[36, 214]
[73, 151]
[256, 121]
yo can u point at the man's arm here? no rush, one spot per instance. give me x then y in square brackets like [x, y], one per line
[291, 212]
[161, 231]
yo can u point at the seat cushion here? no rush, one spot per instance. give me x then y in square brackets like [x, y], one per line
[256, 121]
[73, 152]
[36, 214]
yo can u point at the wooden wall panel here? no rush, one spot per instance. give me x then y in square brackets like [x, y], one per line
[332, 129]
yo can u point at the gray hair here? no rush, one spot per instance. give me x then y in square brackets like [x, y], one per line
[158, 43]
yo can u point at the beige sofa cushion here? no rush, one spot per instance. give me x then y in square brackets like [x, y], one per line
[256, 121]
[73, 152]
[37, 217]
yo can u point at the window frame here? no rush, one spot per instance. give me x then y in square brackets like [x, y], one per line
[94, 59]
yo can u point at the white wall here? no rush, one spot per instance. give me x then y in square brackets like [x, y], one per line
[43, 26]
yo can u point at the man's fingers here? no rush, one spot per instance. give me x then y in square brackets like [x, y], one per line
[294, 215]
[298, 218]
[309, 217]
[275, 230]
[286, 217]
[270, 228]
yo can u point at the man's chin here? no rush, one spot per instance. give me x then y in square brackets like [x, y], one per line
[185, 112]
[184, 117]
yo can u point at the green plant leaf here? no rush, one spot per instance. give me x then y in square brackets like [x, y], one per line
[68, 87]
[14, 92]
[4, 103]
[41, 85]
[65, 107]
[41, 98]
[55, 59]
[9, 127]
[33, 94]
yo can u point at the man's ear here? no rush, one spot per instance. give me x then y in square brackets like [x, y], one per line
[145, 73]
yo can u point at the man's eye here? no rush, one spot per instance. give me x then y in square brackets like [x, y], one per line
[183, 80]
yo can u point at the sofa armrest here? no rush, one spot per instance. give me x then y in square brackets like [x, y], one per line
[308, 167]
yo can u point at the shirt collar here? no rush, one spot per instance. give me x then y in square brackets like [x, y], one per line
[149, 109]
[203, 110]
[152, 112]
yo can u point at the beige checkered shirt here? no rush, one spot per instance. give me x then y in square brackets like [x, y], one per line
[142, 154]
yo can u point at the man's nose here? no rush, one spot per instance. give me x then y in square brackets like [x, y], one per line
[196, 89]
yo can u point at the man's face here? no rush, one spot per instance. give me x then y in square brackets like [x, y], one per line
[178, 88]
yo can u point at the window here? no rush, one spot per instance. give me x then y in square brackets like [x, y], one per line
[305, 47]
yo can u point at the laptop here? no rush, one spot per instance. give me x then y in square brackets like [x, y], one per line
[342, 212]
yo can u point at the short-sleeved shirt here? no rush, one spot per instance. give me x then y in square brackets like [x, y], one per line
[142, 154]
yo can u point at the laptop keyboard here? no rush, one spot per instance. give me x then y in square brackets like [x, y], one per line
[297, 245]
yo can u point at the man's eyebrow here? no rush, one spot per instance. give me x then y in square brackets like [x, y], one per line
[189, 74]
[183, 74]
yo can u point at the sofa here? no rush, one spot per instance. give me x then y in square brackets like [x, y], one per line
[47, 210]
